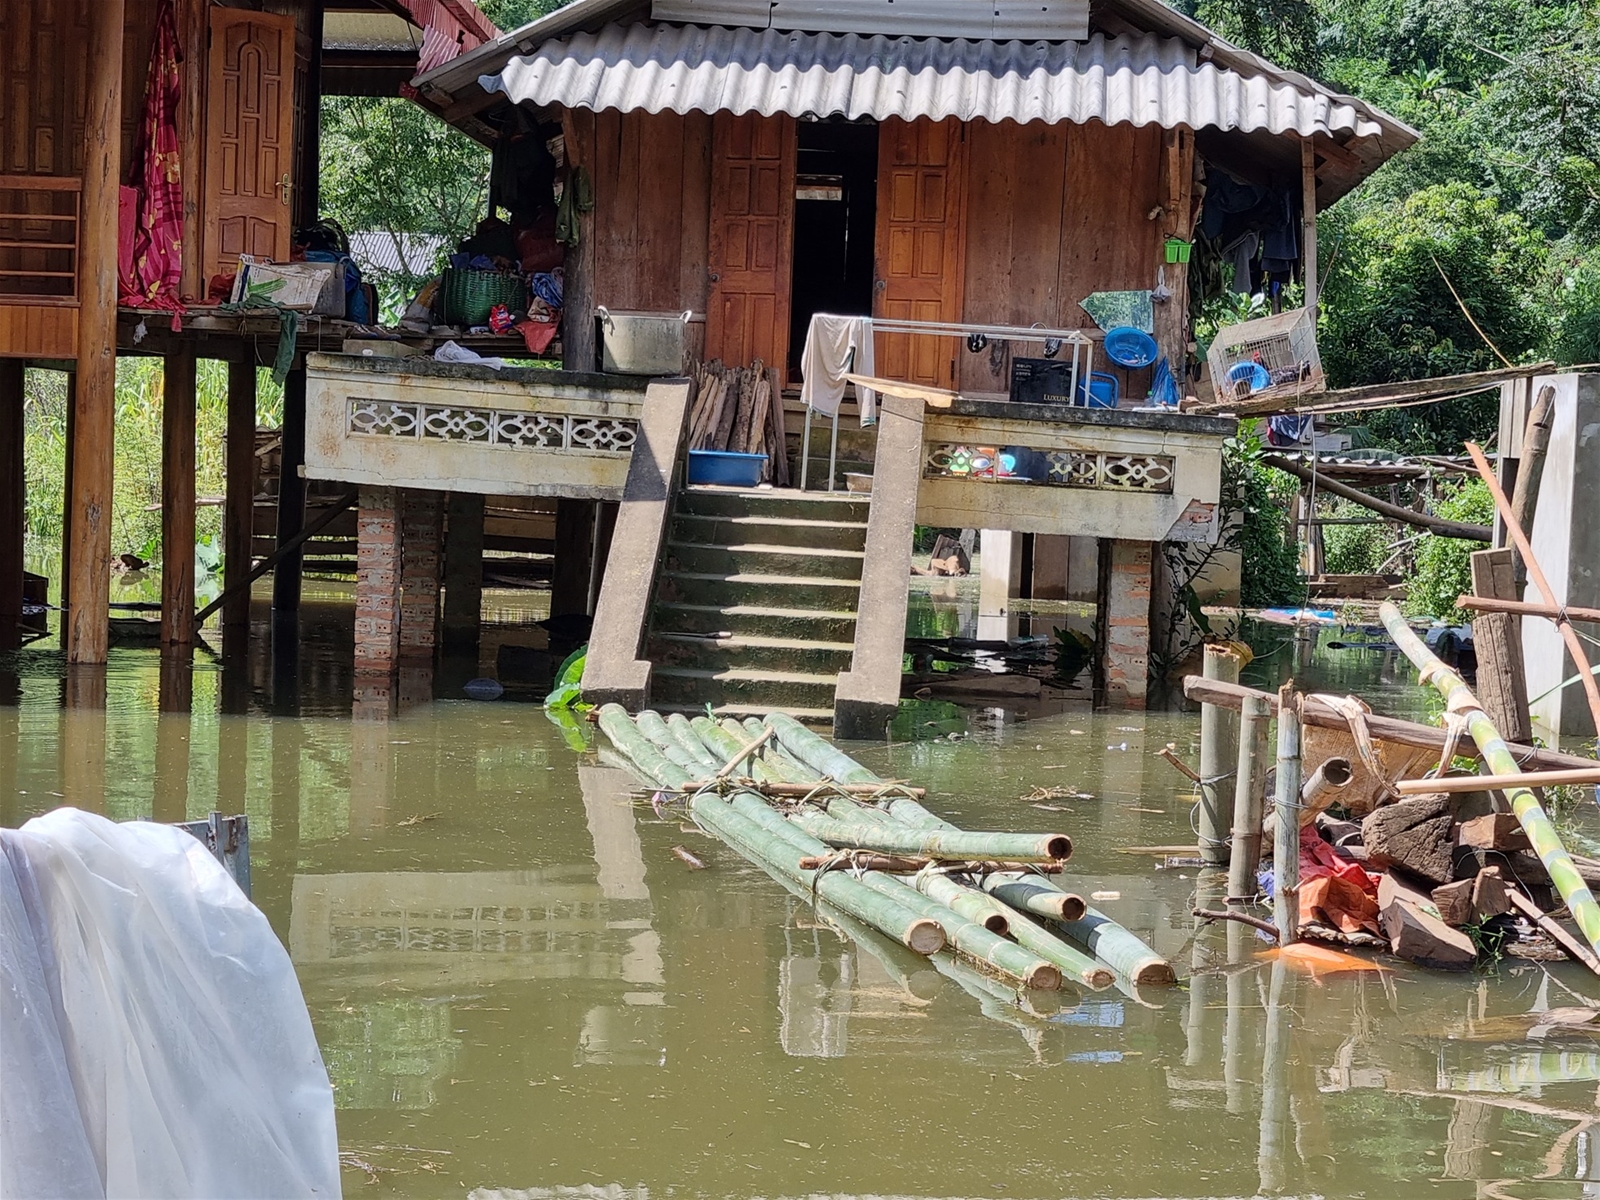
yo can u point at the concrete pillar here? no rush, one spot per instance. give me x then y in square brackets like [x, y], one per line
[238, 520]
[13, 490]
[1051, 555]
[463, 571]
[999, 579]
[569, 587]
[421, 539]
[1123, 621]
[377, 579]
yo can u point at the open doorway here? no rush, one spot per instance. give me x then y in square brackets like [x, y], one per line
[835, 216]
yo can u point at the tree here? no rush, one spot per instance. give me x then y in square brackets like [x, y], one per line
[514, 14]
[1283, 31]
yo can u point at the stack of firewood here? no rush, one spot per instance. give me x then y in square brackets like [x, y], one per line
[740, 409]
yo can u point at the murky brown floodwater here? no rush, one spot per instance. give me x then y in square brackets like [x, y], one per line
[520, 991]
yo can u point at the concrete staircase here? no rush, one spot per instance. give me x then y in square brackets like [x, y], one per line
[755, 603]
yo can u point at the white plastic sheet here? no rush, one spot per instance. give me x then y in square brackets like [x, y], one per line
[154, 1037]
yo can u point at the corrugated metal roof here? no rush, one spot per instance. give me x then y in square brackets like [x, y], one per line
[1139, 80]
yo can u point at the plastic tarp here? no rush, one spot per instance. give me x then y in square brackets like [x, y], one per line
[153, 1034]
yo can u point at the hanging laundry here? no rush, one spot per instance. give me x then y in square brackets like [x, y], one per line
[836, 346]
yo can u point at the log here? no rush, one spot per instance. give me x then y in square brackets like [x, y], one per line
[1454, 902]
[1530, 464]
[1416, 835]
[1497, 637]
[778, 448]
[962, 844]
[1416, 934]
[729, 412]
[1495, 783]
[1541, 832]
[1384, 729]
[1406, 516]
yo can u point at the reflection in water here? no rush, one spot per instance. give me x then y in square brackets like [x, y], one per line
[520, 991]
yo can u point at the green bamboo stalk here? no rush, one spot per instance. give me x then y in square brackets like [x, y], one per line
[1498, 759]
[972, 905]
[935, 843]
[889, 914]
[1027, 893]
[1074, 963]
[1119, 949]
[782, 763]
[724, 745]
[904, 808]
[816, 752]
[651, 725]
[678, 725]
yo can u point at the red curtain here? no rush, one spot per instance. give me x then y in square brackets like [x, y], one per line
[152, 279]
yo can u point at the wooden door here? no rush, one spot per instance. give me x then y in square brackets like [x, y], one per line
[752, 238]
[249, 161]
[921, 232]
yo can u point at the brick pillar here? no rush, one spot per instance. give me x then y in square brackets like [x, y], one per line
[421, 517]
[1124, 621]
[377, 578]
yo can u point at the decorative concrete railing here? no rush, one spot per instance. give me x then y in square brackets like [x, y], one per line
[415, 422]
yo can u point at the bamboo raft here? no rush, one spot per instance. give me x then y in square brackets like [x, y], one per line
[827, 827]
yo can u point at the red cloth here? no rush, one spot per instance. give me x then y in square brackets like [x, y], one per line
[1333, 889]
[539, 334]
[156, 267]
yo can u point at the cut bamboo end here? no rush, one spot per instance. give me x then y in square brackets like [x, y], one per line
[925, 936]
[1100, 977]
[1044, 977]
[1155, 974]
[1073, 907]
[995, 922]
[1059, 847]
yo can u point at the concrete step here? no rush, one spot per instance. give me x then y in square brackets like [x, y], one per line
[790, 561]
[719, 653]
[772, 689]
[756, 620]
[787, 591]
[769, 531]
[806, 716]
[784, 504]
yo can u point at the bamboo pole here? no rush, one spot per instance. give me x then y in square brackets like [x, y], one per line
[653, 727]
[1315, 711]
[778, 760]
[871, 835]
[1406, 516]
[1536, 573]
[1530, 464]
[743, 753]
[851, 896]
[723, 743]
[907, 864]
[972, 905]
[1276, 1134]
[1078, 966]
[1025, 894]
[1323, 788]
[678, 726]
[1248, 795]
[817, 753]
[1495, 783]
[1122, 951]
[1528, 608]
[1286, 841]
[1219, 753]
[1530, 813]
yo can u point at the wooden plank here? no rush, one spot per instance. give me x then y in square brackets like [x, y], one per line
[1171, 319]
[1382, 395]
[1497, 636]
[1314, 711]
[1308, 223]
[89, 553]
[239, 502]
[659, 212]
[178, 498]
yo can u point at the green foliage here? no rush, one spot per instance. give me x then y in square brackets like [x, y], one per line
[1270, 567]
[1354, 549]
[514, 14]
[1444, 570]
[1285, 31]
[1070, 654]
[568, 692]
[1577, 335]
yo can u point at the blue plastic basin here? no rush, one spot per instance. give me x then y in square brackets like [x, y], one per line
[1130, 347]
[725, 467]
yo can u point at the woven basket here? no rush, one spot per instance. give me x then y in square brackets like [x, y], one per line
[466, 295]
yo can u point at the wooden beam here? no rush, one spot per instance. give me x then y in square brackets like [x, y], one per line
[13, 494]
[1497, 635]
[1308, 224]
[89, 555]
[1580, 776]
[1438, 525]
[1380, 395]
[308, 171]
[177, 498]
[463, 571]
[1527, 608]
[1314, 711]
[238, 515]
[291, 498]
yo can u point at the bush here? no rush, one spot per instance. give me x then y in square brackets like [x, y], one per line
[1577, 335]
[1444, 569]
[1269, 570]
[1354, 549]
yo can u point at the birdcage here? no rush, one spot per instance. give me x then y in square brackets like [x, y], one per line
[1269, 358]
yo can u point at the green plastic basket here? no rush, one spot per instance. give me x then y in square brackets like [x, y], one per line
[1178, 250]
[467, 295]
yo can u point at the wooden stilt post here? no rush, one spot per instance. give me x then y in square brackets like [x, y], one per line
[1219, 754]
[177, 498]
[1249, 790]
[1308, 222]
[238, 520]
[291, 502]
[569, 588]
[13, 491]
[463, 571]
[171, 799]
[1286, 843]
[64, 598]
[578, 342]
[89, 555]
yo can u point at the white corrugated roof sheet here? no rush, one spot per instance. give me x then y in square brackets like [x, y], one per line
[1139, 80]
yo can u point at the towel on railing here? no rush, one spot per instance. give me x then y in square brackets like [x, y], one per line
[836, 346]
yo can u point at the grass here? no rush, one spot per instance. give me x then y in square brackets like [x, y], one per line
[136, 490]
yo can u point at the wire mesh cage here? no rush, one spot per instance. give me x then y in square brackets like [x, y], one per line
[1268, 358]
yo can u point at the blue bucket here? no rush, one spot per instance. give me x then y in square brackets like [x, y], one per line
[725, 468]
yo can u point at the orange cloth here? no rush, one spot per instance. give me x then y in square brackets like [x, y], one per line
[1335, 890]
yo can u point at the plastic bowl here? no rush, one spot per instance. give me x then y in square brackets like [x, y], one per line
[1252, 373]
[1130, 347]
[725, 468]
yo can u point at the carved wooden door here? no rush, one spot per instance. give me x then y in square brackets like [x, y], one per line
[921, 231]
[752, 238]
[249, 139]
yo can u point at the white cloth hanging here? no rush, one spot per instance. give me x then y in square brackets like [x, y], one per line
[836, 346]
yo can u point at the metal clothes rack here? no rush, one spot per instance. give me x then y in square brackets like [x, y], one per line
[1082, 365]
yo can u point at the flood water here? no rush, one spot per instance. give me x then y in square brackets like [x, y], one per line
[520, 991]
